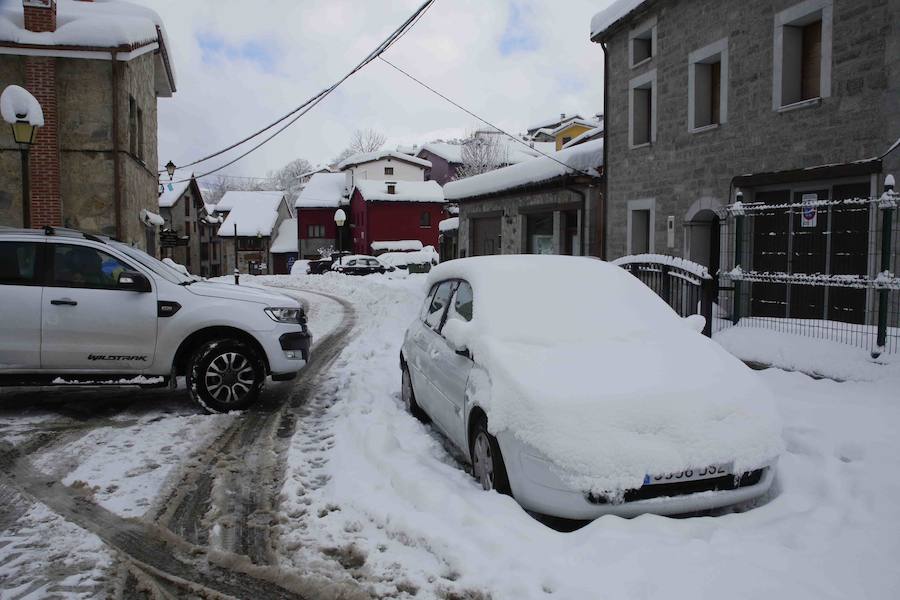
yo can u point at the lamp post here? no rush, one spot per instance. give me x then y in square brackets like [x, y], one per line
[23, 112]
[340, 217]
[170, 169]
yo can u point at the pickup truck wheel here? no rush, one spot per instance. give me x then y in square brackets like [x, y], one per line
[487, 460]
[409, 397]
[225, 375]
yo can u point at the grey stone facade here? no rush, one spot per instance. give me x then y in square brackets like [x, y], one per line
[684, 175]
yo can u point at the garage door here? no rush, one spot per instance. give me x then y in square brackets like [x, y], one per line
[486, 236]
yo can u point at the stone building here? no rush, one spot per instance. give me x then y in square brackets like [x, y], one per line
[186, 216]
[546, 205]
[784, 100]
[94, 164]
[256, 218]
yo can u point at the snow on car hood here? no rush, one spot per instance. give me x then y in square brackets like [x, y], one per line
[592, 369]
[241, 292]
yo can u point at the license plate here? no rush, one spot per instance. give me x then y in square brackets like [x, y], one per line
[709, 472]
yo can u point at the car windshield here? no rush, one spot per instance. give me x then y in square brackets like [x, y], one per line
[158, 267]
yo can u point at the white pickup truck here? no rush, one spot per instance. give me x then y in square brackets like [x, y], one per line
[78, 309]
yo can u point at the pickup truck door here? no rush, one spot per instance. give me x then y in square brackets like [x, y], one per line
[90, 324]
[20, 305]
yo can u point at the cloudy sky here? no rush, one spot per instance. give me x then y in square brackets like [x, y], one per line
[241, 63]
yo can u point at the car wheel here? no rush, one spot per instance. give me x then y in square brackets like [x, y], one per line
[487, 460]
[409, 397]
[225, 375]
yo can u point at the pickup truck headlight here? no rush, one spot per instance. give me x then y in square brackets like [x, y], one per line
[287, 315]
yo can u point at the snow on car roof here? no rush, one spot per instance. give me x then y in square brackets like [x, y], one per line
[397, 245]
[585, 157]
[587, 365]
[323, 190]
[404, 191]
[427, 255]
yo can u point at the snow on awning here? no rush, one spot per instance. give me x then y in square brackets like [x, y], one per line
[151, 218]
[17, 104]
[451, 224]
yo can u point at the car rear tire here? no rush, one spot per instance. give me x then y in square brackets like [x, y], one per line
[408, 396]
[225, 375]
[487, 460]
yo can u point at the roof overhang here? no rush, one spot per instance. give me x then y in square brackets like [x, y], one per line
[562, 181]
[838, 171]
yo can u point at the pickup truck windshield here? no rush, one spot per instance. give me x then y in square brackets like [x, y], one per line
[158, 267]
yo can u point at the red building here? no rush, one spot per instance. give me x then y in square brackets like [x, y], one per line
[383, 211]
[315, 207]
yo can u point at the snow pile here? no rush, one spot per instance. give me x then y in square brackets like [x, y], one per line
[17, 104]
[606, 18]
[595, 371]
[662, 259]
[427, 255]
[254, 213]
[323, 190]
[178, 267]
[397, 246]
[404, 191]
[584, 158]
[451, 224]
[367, 157]
[286, 240]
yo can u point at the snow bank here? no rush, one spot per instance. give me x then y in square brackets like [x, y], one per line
[594, 370]
[605, 19]
[365, 157]
[404, 191]
[585, 158]
[427, 255]
[17, 103]
[451, 224]
[398, 246]
[255, 213]
[323, 190]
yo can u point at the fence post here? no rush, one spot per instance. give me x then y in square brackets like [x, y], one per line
[707, 293]
[738, 257]
[666, 285]
[887, 221]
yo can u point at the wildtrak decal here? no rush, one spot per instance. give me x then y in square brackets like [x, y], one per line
[117, 358]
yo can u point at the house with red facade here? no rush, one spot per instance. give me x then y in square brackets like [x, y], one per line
[383, 211]
[323, 194]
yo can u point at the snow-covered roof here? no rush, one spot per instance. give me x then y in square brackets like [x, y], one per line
[173, 189]
[552, 123]
[451, 224]
[587, 135]
[366, 157]
[17, 103]
[584, 158]
[405, 191]
[92, 25]
[397, 246]
[565, 125]
[233, 198]
[324, 190]
[286, 238]
[255, 213]
[452, 153]
[613, 13]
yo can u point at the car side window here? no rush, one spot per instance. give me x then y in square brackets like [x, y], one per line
[462, 302]
[426, 305]
[351, 263]
[439, 304]
[85, 267]
[18, 263]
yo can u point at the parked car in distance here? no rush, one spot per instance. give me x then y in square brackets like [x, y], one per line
[359, 264]
[573, 387]
[79, 309]
[323, 265]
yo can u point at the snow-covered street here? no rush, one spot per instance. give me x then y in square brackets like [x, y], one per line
[374, 501]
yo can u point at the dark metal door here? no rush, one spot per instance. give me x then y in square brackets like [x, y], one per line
[809, 248]
[849, 252]
[486, 236]
[770, 254]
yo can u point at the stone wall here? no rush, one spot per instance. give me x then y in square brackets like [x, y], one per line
[861, 118]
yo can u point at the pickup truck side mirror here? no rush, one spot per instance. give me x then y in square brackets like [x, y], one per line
[133, 281]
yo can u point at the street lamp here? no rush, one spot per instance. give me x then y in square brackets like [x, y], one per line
[170, 169]
[23, 112]
[340, 217]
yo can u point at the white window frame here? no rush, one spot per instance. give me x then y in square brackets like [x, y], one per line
[640, 82]
[648, 26]
[787, 17]
[702, 56]
[642, 204]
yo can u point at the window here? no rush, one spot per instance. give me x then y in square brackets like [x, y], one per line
[250, 244]
[462, 304]
[425, 219]
[18, 263]
[392, 188]
[85, 267]
[642, 43]
[438, 305]
[802, 69]
[539, 233]
[132, 126]
[642, 109]
[187, 207]
[315, 231]
[640, 223]
[389, 170]
[140, 135]
[708, 86]
[566, 139]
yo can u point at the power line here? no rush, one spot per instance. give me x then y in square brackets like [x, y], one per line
[483, 120]
[395, 36]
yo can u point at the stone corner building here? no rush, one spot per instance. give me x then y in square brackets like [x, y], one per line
[782, 99]
[94, 164]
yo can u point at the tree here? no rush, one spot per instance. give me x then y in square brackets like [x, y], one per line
[367, 140]
[222, 184]
[287, 179]
[482, 153]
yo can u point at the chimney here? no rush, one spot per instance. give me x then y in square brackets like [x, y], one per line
[40, 15]
[562, 116]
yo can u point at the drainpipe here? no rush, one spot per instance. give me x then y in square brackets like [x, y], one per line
[117, 176]
[584, 244]
[604, 206]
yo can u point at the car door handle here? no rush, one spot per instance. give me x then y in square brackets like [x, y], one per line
[63, 302]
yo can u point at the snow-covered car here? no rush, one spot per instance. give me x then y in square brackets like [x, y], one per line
[569, 384]
[79, 309]
[359, 264]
